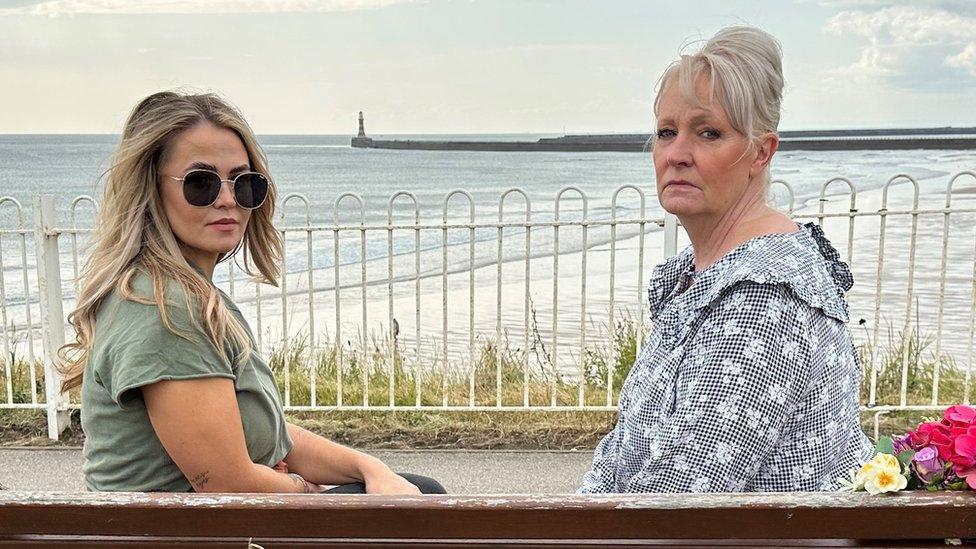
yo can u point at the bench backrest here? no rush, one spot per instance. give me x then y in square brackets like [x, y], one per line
[107, 519]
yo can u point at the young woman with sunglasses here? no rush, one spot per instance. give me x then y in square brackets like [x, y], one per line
[175, 396]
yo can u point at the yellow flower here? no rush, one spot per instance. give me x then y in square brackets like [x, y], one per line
[886, 461]
[885, 480]
[879, 463]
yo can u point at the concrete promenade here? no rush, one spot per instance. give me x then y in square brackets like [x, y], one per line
[461, 472]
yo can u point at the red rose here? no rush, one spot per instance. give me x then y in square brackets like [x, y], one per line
[964, 457]
[927, 434]
[959, 416]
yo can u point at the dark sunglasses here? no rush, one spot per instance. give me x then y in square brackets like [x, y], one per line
[202, 187]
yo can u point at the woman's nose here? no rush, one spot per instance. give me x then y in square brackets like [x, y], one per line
[679, 152]
[225, 199]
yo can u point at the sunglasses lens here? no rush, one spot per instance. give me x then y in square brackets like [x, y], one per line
[200, 188]
[250, 190]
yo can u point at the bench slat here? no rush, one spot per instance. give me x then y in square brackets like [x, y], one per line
[399, 519]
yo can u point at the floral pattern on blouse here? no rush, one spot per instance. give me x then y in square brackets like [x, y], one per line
[748, 380]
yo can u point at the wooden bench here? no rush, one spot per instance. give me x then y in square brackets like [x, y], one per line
[670, 520]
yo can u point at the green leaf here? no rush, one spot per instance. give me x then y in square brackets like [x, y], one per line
[905, 458]
[960, 485]
[884, 446]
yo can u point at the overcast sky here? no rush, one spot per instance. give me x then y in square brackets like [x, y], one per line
[475, 66]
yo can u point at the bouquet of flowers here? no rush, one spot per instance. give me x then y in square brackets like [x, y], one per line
[937, 455]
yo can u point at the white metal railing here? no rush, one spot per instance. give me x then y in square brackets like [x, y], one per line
[449, 286]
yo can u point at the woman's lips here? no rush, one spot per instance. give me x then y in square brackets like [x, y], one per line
[679, 183]
[225, 225]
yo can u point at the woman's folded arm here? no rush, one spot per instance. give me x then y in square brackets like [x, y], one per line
[322, 461]
[199, 424]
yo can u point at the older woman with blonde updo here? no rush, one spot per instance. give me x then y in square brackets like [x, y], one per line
[749, 379]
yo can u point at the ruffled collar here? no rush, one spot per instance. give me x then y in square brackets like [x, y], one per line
[804, 260]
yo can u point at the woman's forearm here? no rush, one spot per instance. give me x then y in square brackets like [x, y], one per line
[322, 461]
[256, 479]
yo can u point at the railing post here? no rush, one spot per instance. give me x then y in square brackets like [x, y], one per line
[670, 235]
[52, 313]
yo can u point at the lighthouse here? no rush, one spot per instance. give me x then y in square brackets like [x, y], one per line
[361, 140]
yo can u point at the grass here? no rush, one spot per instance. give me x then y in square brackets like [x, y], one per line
[522, 374]
[522, 371]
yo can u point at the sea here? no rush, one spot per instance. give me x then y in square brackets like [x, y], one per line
[321, 168]
[316, 170]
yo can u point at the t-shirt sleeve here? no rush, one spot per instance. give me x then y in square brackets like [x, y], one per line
[140, 350]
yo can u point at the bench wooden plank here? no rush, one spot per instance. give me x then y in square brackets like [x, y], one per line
[529, 521]
[96, 542]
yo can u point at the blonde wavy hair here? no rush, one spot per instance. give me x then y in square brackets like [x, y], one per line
[132, 233]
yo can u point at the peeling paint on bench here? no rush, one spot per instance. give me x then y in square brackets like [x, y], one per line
[836, 500]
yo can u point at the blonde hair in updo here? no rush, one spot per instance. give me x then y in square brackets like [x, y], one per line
[744, 66]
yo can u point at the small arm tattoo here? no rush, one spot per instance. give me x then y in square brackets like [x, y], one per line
[200, 479]
[301, 483]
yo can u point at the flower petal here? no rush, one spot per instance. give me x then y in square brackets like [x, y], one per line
[960, 414]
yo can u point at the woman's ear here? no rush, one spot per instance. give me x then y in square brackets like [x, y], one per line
[765, 150]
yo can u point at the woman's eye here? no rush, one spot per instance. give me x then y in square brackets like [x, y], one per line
[710, 134]
[666, 133]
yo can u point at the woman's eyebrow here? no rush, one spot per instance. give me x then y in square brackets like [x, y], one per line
[703, 117]
[212, 168]
[202, 166]
[240, 169]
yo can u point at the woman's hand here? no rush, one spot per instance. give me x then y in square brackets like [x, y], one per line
[388, 482]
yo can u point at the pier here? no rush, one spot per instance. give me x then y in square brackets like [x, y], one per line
[811, 140]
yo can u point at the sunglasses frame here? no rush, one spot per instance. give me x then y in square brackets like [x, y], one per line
[233, 183]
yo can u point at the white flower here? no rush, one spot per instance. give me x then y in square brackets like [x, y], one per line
[885, 480]
[789, 349]
[777, 393]
[729, 409]
[700, 485]
[753, 418]
[731, 327]
[881, 474]
[755, 350]
[723, 453]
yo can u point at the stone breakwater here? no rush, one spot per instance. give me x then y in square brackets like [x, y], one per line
[815, 140]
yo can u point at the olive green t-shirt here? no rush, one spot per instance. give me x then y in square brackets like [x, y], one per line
[133, 348]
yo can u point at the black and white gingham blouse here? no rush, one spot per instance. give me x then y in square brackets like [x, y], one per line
[748, 380]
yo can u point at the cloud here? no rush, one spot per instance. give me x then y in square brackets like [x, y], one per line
[966, 59]
[916, 47]
[955, 6]
[54, 8]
